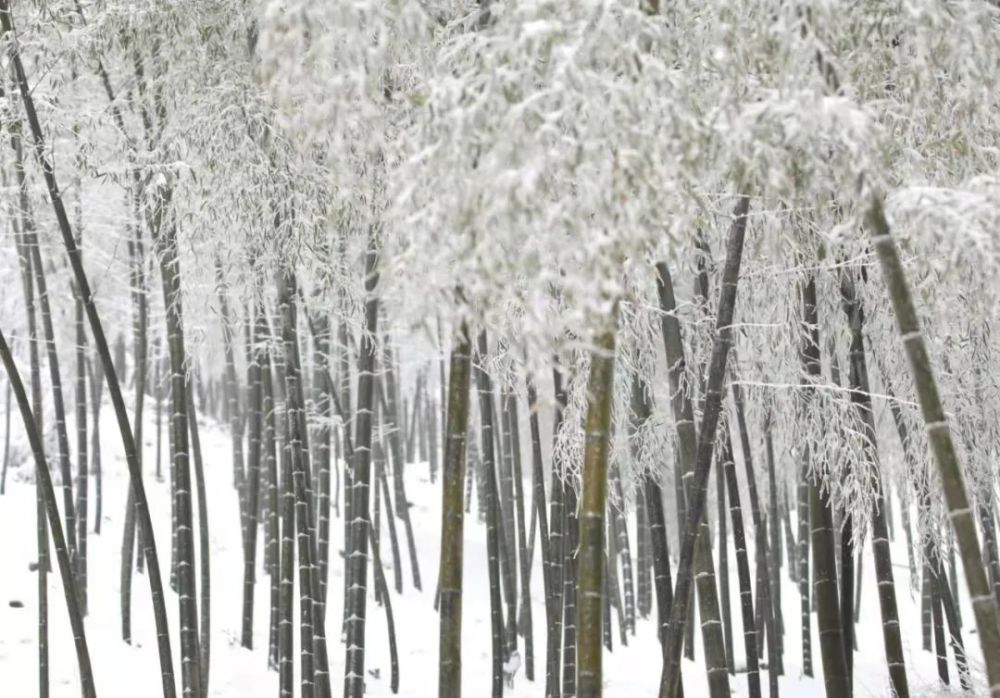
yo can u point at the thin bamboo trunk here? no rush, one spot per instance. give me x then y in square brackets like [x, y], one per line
[452, 520]
[402, 505]
[623, 547]
[545, 542]
[826, 592]
[271, 530]
[717, 672]
[682, 407]
[31, 246]
[557, 544]
[508, 527]
[489, 489]
[204, 551]
[286, 600]
[763, 553]
[321, 360]
[861, 398]
[525, 620]
[6, 440]
[314, 675]
[774, 569]
[255, 420]
[51, 509]
[597, 441]
[97, 331]
[166, 243]
[41, 532]
[652, 495]
[750, 634]
[644, 595]
[232, 392]
[96, 380]
[383, 482]
[571, 541]
[984, 603]
[357, 565]
[82, 474]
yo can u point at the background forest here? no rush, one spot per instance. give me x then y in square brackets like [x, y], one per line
[562, 349]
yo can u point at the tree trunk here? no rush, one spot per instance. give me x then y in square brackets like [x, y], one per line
[272, 553]
[984, 603]
[6, 440]
[774, 569]
[597, 441]
[286, 600]
[750, 634]
[31, 246]
[82, 475]
[41, 532]
[255, 454]
[763, 553]
[489, 488]
[232, 391]
[452, 520]
[314, 673]
[652, 495]
[523, 555]
[861, 398]
[832, 648]
[166, 243]
[357, 564]
[97, 331]
[205, 553]
[402, 505]
[321, 360]
[95, 377]
[545, 542]
[697, 450]
[51, 508]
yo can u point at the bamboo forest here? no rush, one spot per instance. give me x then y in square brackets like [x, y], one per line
[499, 348]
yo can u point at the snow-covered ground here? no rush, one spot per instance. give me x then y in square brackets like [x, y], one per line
[127, 671]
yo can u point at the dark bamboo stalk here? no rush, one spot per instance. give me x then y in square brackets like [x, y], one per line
[485, 391]
[702, 461]
[861, 398]
[254, 458]
[983, 602]
[750, 634]
[402, 505]
[31, 246]
[286, 623]
[763, 553]
[51, 509]
[6, 440]
[97, 331]
[205, 553]
[545, 542]
[232, 391]
[832, 648]
[717, 664]
[96, 381]
[357, 565]
[41, 533]
[525, 560]
[652, 496]
[272, 551]
[82, 474]
[166, 243]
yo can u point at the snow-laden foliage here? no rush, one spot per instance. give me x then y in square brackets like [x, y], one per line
[518, 168]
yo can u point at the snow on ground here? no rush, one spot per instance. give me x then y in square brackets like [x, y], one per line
[125, 671]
